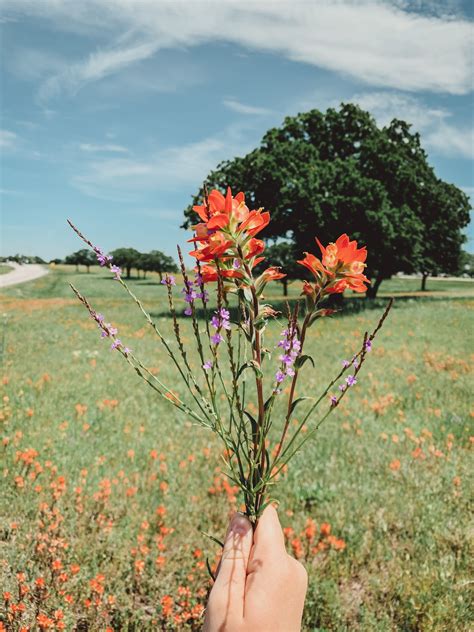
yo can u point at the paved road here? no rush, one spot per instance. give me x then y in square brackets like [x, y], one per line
[22, 273]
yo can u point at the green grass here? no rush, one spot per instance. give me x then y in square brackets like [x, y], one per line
[390, 471]
[5, 269]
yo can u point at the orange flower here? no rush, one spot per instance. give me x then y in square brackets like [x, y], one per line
[272, 274]
[227, 233]
[341, 267]
[325, 529]
[255, 222]
[395, 465]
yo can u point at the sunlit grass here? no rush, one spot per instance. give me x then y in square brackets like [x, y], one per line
[106, 490]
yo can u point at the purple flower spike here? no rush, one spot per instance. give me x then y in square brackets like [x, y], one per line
[126, 351]
[351, 380]
[116, 343]
[207, 365]
[188, 311]
[342, 387]
[345, 364]
[333, 400]
[368, 345]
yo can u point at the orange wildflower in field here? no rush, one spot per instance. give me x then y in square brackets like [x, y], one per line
[81, 409]
[395, 465]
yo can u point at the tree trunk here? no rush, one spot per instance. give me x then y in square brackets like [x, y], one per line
[423, 281]
[160, 274]
[77, 267]
[285, 286]
[88, 269]
[129, 269]
[144, 274]
[373, 287]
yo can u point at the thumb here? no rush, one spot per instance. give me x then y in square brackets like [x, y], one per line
[229, 587]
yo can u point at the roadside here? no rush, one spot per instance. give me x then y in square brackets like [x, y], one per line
[22, 273]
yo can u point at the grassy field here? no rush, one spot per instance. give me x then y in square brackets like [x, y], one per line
[5, 269]
[106, 490]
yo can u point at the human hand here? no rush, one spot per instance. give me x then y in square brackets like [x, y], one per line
[259, 587]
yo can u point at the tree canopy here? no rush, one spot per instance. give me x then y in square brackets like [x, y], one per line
[83, 257]
[324, 174]
[126, 258]
[157, 261]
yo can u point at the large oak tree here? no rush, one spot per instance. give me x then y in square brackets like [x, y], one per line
[328, 173]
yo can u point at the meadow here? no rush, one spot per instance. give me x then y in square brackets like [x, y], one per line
[107, 492]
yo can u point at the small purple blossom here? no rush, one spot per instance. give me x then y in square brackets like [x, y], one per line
[220, 320]
[351, 380]
[355, 363]
[333, 400]
[188, 311]
[126, 351]
[116, 271]
[279, 376]
[168, 280]
[345, 364]
[112, 330]
[236, 264]
[207, 365]
[102, 258]
[216, 339]
[342, 387]
[368, 345]
[116, 344]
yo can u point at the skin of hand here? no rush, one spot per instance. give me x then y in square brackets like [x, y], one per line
[259, 587]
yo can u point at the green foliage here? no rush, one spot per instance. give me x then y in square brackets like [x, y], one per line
[83, 257]
[157, 261]
[126, 258]
[283, 255]
[328, 173]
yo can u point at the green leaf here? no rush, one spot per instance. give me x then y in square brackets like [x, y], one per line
[251, 364]
[213, 538]
[302, 359]
[296, 402]
[253, 422]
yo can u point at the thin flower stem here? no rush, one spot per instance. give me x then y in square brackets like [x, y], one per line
[161, 388]
[361, 355]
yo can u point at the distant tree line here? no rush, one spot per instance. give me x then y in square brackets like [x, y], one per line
[127, 259]
[22, 259]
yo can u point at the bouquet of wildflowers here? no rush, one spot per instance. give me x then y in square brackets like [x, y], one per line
[225, 303]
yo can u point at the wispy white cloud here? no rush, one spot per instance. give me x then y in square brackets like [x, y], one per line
[242, 108]
[8, 140]
[372, 41]
[452, 141]
[432, 123]
[96, 66]
[182, 165]
[89, 147]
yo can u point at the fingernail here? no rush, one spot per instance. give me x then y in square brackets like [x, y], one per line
[240, 525]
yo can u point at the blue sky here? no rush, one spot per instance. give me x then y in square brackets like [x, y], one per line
[113, 111]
